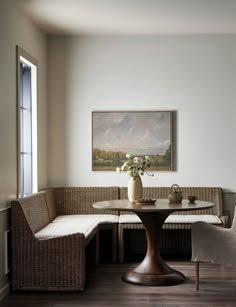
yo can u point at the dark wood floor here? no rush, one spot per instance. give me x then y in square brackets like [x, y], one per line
[105, 288]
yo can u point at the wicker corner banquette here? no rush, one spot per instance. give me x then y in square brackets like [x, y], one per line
[51, 230]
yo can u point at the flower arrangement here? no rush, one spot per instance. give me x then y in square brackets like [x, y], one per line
[135, 166]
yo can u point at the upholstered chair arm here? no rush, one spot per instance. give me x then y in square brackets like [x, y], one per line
[233, 227]
[209, 244]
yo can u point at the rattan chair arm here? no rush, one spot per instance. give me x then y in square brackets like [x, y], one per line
[52, 264]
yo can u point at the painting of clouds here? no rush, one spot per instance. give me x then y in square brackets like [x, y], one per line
[141, 133]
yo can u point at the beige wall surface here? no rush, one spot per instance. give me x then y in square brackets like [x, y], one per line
[58, 95]
[195, 75]
[15, 29]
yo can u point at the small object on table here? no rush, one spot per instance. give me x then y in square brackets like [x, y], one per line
[143, 201]
[175, 196]
[192, 199]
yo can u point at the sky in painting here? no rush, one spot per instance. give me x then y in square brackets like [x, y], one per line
[134, 132]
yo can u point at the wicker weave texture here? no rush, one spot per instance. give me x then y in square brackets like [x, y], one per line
[79, 200]
[35, 210]
[59, 264]
[174, 243]
[211, 194]
[51, 205]
[55, 264]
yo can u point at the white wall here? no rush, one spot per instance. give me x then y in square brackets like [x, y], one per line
[15, 29]
[194, 75]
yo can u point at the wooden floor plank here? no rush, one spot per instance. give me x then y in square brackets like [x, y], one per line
[105, 288]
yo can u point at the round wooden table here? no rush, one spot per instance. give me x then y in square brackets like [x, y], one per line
[152, 271]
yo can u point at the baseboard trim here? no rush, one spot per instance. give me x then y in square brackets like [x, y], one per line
[4, 291]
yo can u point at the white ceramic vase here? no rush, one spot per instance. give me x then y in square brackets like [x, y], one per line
[135, 188]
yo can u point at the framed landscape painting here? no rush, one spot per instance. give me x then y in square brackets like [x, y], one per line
[141, 133]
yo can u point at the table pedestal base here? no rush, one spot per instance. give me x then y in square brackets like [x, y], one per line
[153, 271]
[167, 279]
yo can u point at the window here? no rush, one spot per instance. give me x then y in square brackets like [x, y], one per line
[27, 123]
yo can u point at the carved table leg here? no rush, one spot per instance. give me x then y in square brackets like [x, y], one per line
[153, 271]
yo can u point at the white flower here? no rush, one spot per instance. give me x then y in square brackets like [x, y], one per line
[135, 166]
[118, 169]
[137, 160]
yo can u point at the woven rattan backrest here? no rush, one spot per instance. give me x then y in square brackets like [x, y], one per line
[79, 200]
[211, 194]
[35, 210]
[50, 201]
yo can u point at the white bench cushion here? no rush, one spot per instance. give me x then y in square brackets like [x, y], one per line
[174, 219]
[70, 224]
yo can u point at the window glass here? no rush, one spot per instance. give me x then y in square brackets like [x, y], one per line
[27, 123]
[25, 75]
[26, 165]
[26, 131]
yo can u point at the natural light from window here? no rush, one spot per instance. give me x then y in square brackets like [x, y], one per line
[27, 125]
